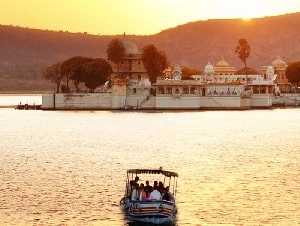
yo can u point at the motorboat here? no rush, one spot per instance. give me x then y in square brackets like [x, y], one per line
[145, 203]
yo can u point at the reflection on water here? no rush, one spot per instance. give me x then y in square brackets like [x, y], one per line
[69, 168]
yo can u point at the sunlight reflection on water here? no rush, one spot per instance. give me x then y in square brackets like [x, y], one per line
[68, 167]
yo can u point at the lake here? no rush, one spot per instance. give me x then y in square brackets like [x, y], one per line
[69, 167]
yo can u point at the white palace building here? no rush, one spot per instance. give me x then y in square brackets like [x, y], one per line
[217, 88]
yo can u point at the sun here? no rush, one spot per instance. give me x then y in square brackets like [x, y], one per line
[246, 11]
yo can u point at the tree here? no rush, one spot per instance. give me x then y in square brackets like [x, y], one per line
[187, 72]
[293, 72]
[116, 51]
[243, 51]
[96, 73]
[73, 68]
[53, 74]
[154, 61]
[246, 71]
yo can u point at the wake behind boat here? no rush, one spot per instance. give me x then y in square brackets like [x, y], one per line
[150, 196]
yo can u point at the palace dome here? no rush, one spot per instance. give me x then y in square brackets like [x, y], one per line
[209, 69]
[278, 62]
[222, 63]
[130, 47]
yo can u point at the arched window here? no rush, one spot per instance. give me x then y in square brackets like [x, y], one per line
[193, 90]
[161, 90]
[134, 90]
[186, 90]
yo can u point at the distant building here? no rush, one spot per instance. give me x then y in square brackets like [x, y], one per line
[129, 78]
[279, 67]
[223, 68]
[217, 88]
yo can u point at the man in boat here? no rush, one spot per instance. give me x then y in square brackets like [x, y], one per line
[135, 195]
[155, 194]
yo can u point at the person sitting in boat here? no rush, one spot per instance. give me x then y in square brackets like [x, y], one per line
[143, 195]
[132, 184]
[129, 188]
[148, 189]
[155, 194]
[155, 184]
[135, 195]
[135, 181]
[161, 187]
[167, 195]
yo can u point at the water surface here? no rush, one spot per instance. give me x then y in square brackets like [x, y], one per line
[68, 167]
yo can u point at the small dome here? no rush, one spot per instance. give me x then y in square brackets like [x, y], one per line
[130, 47]
[278, 62]
[209, 69]
[222, 63]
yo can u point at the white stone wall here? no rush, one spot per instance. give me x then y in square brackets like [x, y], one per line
[76, 101]
[177, 102]
[219, 102]
[261, 100]
[108, 101]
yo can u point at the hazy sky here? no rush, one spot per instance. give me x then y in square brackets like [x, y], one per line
[140, 17]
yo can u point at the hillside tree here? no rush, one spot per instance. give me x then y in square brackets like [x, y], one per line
[116, 51]
[72, 69]
[53, 73]
[246, 71]
[154, 61]
[96, 73]
[293, 72]
[187, 72]
[243, 51]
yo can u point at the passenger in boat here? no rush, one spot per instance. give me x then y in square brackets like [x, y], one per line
[161, 187]
[135, 192]
[143, 195]
[136, 179]
[129, 188]
[150, 189]
[155, 194]
[132, 183]
[155, 184]
[167, 195]
[147, 188]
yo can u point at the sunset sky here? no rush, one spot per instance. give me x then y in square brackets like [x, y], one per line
[140, 17]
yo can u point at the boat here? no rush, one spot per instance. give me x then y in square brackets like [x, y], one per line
[158, 210]
[28, 107]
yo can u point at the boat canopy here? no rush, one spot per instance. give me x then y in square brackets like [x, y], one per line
[153, 171]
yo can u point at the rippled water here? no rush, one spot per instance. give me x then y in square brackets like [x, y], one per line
[68, 167]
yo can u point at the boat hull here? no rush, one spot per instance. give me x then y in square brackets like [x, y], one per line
[156, 212]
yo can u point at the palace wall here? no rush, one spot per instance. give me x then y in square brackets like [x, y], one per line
[77, 101]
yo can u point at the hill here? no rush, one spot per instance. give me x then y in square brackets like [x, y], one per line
[25, 52]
